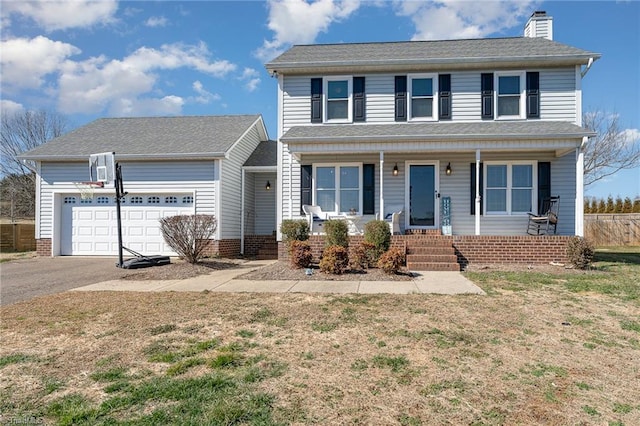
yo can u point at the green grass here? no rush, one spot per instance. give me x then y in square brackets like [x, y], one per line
[16, 359]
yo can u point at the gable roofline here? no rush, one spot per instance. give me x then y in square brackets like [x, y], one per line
[152, 138]
[437, 54]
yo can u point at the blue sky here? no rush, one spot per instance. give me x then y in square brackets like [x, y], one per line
[88, 60]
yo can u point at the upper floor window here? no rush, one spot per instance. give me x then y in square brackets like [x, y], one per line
[338, 99]
[510, 95]
[423, 98]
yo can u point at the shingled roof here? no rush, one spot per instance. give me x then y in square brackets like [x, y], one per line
[151, 137]
[410, 54]
[494, 130]
[265, 155]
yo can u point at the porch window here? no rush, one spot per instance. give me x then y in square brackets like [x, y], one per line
[338, 189]
[338, 99]
[510, 188]
[423, 97]
[510, 91]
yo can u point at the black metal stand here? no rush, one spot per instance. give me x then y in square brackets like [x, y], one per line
[139, 261]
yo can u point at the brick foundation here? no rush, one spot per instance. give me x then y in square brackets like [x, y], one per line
[522, 249]
[223, 248]
[482, 249]
[43, 247]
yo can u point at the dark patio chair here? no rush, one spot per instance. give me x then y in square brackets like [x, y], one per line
[543, 222]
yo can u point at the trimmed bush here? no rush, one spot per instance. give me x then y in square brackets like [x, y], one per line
[580, 252]
[377, 232]
[337, 233]
[294, 230]
[335, 260]
[188, 235]
[391, 261]
[358, 259]
[301, 255]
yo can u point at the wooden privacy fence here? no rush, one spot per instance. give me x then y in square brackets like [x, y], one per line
[616, 229]
[17, 236]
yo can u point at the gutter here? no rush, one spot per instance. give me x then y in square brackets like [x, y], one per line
[121, 157]
[587, 68]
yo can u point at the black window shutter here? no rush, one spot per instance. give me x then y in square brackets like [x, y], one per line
[358, 99]
[305, 186]
[533, 95]
[316, 100]
[401, 98]
[368, 189]
[544, 182]
[473, 187]
[486, 90]
[444, 89]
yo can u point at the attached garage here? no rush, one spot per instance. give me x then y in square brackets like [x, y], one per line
[88, 227]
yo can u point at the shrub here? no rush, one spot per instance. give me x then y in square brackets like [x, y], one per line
[580, 252]
[358, 259]
[294, 230]
[377, 232]
[301, 255]
[337, 233]
[188, 235]
[335, 260]
[391, 261]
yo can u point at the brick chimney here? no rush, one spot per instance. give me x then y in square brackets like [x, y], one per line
[539, 25]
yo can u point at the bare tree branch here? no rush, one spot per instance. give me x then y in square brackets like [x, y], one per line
[611, 150]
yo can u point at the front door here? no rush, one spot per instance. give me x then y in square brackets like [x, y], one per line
[422, 195]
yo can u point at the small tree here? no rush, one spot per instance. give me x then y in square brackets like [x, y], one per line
[188, 235]
[587, 206]
[618, 206]
[602, 207]
[611, 207]
[636, 205]
[627, 207]
[580, 252]
[594, 205]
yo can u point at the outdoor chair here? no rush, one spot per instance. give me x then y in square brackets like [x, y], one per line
[392, 217]
[315, 217]
[546, 219]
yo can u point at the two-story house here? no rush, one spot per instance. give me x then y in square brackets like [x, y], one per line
[491, 125]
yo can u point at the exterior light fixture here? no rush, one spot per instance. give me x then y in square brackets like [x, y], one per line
[268, 186]
[448, 169]
[395, 170]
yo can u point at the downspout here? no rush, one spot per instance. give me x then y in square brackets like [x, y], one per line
[381, 185]
[587, 68]
[242, 211]
[477, 192]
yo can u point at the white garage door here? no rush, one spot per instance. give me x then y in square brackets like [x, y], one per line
[89, 227]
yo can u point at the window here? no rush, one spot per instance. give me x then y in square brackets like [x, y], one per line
[153, 200]
[102, 200]
[171, 200]
[86, 200]
[136, 200]
[338, 99]
[338, 189]
[423, 98]
[509, 188]
[69, 200]
[510, 93]
[187, 199]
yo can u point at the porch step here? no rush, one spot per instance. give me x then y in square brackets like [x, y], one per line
[432, 266]
[431, 252]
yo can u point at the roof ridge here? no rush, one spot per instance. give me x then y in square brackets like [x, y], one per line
[179, 116]
[411, 41]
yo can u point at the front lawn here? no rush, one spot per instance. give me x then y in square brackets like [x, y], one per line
[540, 348]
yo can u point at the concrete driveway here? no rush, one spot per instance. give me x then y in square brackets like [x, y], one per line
[28, 278]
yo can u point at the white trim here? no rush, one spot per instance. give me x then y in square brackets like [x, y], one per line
[436, 199]
[337, 167]
[38, 195]
[478, 198]
[325, 98]
[578, 96]
[217, 179]
[579, 209]
[434, 97]
[381, 184]
[242, 210]
[509, 187]
[280, 162]
[523, 98]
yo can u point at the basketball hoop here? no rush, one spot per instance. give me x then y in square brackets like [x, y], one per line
[86, 189]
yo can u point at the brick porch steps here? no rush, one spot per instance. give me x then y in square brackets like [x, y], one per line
[431, 252]
[268, 251]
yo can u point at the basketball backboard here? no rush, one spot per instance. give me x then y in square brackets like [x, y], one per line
[102, 168]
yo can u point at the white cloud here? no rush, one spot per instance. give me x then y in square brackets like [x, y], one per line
[96, 84]
[452, 19]
[25, 62]
[157, 21]
[204, 96]
[60, 15]
[251, 77]
[168, 105]
[632, 136]
[300, 22]
[10, 107]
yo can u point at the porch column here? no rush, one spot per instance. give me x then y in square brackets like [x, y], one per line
[381, 185]
[290, 185]
[242, 212]
[477, 192]
[579, 231]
